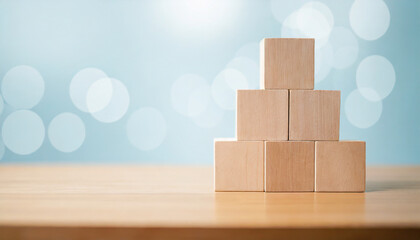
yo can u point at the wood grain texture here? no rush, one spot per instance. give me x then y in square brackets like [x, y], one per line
[133, 233]
[289, 166]
[314, 115]
[340, 166]
[239, 166]
[287, 63]
[146, 202]
[262, 115]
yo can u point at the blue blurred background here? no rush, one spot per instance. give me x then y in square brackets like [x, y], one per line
[154, 81]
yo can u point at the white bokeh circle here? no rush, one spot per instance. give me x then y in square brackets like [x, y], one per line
[282, 8]
[313, 20]
[23, 132]
[2, 149]
[345, 46]
[117, 105]
[199, 100]
[80, 85]
[324, 60]
[250, 50]
[23, 87]
[99, 95]
[314, 23]
[323, 9]
[146, 128]
[191, 18]
[290, 28]
[369, 19]
[377, 73]
[249, 68]
[361, 112]
[211, 116]
[1, 104]
[225, 85]
[66, 132]
[186, 95]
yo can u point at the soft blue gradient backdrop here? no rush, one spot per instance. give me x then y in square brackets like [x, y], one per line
[142, 44]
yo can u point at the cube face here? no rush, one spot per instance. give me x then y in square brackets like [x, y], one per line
[314, 115]
[239, 165]
[340, 166]
[287, 63]
[289, 166]
[262, 115]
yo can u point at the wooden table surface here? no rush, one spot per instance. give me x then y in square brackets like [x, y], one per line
[143, 202]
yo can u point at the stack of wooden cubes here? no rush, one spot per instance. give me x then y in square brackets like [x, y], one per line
[287, 137]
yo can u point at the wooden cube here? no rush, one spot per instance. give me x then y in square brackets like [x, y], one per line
[238, 165]
[340, 166]
[289, 166]
[314, 115]
[287, 63]
[262, 115]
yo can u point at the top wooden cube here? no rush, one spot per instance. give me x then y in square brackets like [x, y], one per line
[287, 63]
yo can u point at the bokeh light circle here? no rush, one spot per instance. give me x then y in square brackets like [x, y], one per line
[323, 9]
[2, 149]
[290, 28]
[324, 60]
[23, 87]
[313, 20]
[225, 85]
[377, 73]
[1, 104]
[23, 132]
[117, 105]
[186, 95]
[199, 100]
[249, 68]
[211, 117]
[99, 95]
[313, 23]
[66, 132]
[250, 50]
[369, 19]
[361, 112]
[346, 47]
[146, 128]
[282, 8]
[80, 85]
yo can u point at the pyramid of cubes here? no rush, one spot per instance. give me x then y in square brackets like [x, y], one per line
[287, 133]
